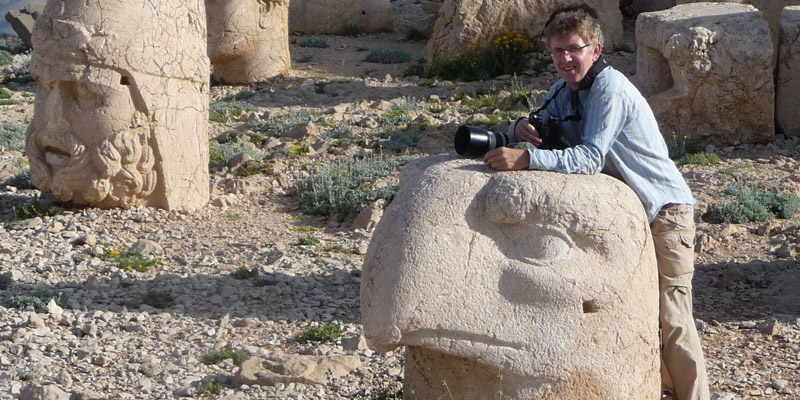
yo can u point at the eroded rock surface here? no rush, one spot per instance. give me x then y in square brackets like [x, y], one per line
[548, 278]
[788, 77]
[248, 40]
[466, 24]
[121, 112]
[330, 16]
[706, 69]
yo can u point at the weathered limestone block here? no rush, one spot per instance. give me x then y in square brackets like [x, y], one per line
[330, 16]
[548, 279]
[787, 106]
[465, 24]
[121, 112]
[706, 69]
[771, 10]
[248, 40]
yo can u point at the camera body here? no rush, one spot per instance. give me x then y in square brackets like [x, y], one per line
[474, 141]
[551, 133]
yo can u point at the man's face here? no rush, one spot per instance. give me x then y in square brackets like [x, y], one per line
[573, 57]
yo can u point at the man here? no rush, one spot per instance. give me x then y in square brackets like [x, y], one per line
[612, 130]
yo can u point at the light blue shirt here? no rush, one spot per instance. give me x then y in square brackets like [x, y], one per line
[617, 135]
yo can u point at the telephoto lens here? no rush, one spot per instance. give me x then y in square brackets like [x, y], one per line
[475, 142]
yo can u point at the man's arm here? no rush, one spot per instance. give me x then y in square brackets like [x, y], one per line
[604, 119]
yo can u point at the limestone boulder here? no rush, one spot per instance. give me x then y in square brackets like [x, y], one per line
[248, 40]
[466, 24]
[121, 111]
[281, 367]
[706, 70]
[330, 16]
[771, 11]
[547, 279]
[787, 106]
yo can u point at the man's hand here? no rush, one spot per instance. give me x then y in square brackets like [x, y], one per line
[508, 159]
[527, 133]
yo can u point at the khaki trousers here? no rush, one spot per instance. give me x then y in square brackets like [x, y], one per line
[683, 368]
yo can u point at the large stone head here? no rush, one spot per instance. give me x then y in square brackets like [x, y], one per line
[120, 117]
[248, 40]
[548, 279]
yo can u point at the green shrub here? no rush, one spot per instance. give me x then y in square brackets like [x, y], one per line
[351, 30]
[341, 188]
[5, 281]
[12, 44]
[216, 357]
[436, 108]
[400, 141]
[489, 101]
[12, 136]
[36, 209]
[234, 136]
[252, 168]
[700, 159]
[23, 179]
[326, 333]
[388, 56]
[4, 94]
[157, 299]
[244, 273]
[318, 43]
[243, 95]
[131, 261]
[5, 58]
[210, 388]
[27, 374]
[305, 229]
[221, 110]
[507, 54]
[735, 167]
[37, 300]
[281, 123]
[754, 204]
[308, 240]
[221, 155]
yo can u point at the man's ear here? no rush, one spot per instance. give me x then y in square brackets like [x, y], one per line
[598, 49]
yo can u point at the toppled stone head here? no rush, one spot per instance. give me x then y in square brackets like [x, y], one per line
[545, 278]
[120, 117]
[248, 40]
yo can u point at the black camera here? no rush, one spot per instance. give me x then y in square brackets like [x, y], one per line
[551, 133]
[474, 141]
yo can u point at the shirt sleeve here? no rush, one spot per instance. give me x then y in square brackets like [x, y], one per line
[603, 122]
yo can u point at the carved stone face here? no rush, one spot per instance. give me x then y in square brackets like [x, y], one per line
[544, 276]
[89, 141]
[120, 117]
[248, 40]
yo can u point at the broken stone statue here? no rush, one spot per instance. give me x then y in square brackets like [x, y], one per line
[537, 284]
[121, 112]
[248, 40]
[706, 70]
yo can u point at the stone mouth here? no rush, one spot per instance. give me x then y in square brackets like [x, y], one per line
[432, 338]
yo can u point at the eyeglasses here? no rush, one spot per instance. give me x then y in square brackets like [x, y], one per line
[572, 50]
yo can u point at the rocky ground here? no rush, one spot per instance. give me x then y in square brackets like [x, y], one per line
[106, 338]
